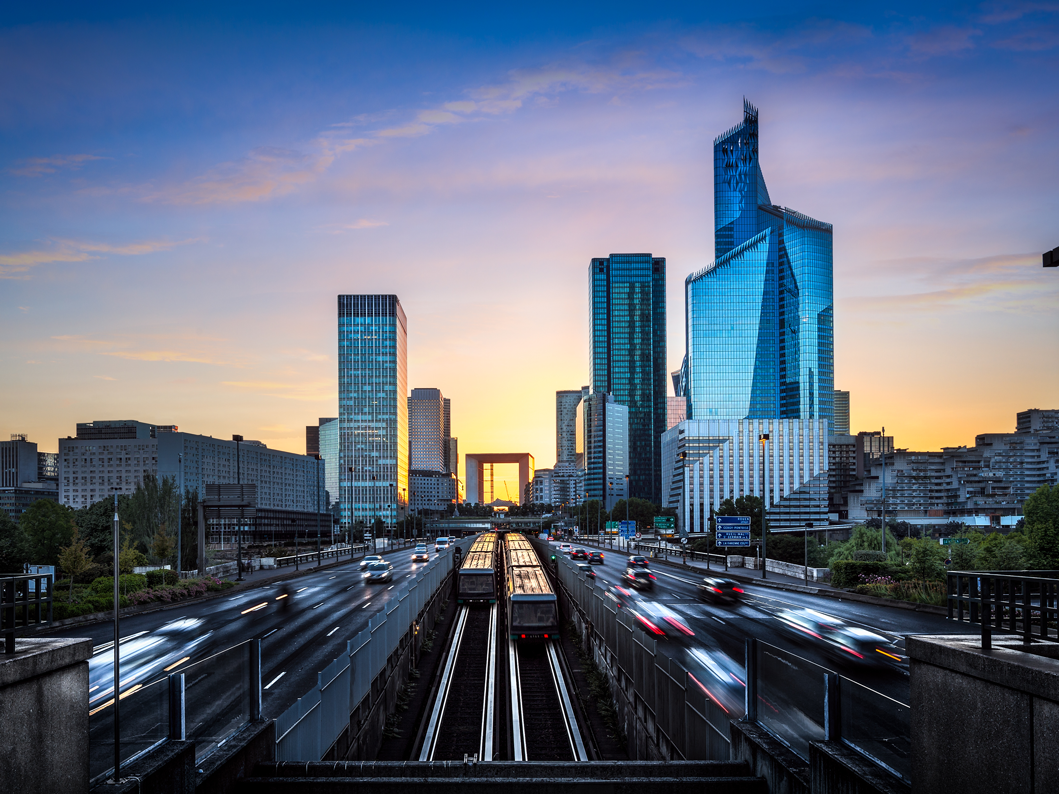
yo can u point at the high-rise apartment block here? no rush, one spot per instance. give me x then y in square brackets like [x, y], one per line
[760, 349]
[372, 408]
[607, 449]
[841, 426]
[1036, 421]
[627, 358]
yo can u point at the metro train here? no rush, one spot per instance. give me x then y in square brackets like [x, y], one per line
[532, 608]
[476, 581]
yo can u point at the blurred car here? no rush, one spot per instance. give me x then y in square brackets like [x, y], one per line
[578, 554]
[369, 560]
[565, 548]
[720, 590]
[654, 618]
[441, 543]
[378, 572]
[586, 569]
[838, 638]
[637, 561]
[595, 557]
[551, 537]
[420, 554]
[639, 578]
[721, 678]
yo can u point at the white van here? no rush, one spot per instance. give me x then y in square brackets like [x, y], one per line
[441, 543]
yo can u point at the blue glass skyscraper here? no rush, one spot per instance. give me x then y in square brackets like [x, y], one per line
[759, 318]
[627, 358]
[372, 408]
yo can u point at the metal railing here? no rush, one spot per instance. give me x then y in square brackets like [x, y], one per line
[25, 600]
[1023, 602]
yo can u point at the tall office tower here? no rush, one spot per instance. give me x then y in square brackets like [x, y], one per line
[841, 413]
[760, 318]
[607, 449]
[627, 355]
[372, 408]
[328, 450]
[566, 403]
[427, 422]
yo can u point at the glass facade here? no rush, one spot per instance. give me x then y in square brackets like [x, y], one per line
[760, 335]
[329, 459]
[427, 425]
[607, 458]
[627, 358]
[372, 408]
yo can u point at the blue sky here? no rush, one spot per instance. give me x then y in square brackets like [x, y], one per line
[183, 195]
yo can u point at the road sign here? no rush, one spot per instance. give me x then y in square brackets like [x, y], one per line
[726, 543]
[733, 522]
[954, 541]
[638, 536]
[733, 534]
[665, 522]
[684, 541]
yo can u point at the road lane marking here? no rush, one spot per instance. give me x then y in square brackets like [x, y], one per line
[718, 620]
[332, 631]
[262, 605]
[177, 663]
[319, 605]
[671, 576]
[350, 587]
[368, 604]
[298, 591]
[270, 633]
[329, 578]
[390, 587]
[277, 678]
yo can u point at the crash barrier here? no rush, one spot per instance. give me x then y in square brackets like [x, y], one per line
[308, 556]
[799, 702]
[206, 702]
[688, 720]
[25, 600]
[308, 729]
[1026, 603]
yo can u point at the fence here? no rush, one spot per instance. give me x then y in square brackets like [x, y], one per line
[1012, 602]
[24, 600]
[311, 726]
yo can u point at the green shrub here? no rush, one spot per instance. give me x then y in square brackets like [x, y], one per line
[161, 576]
[847, 573]
[127, 583]
[869, 556]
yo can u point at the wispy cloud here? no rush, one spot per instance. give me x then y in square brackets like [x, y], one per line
[38, 166]
[103, 377]
[18, 265]
[944, 40]
[151, 348]
[362, 223]
[311, 391]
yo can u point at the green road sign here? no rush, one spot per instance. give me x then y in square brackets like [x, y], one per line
[664, 522]
[954, 541]
[613, 524]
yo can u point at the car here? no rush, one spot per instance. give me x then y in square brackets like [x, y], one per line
[595, 557]
[721, 678]
[566, 548]
[376, 572]
[420, 554]
[656, 619]
[369, 560]
[578, 554]
[441, 543]
[720, 590]
[639, 579]
[587, 570]
[551, 538]
[637, 561]
[839, 639]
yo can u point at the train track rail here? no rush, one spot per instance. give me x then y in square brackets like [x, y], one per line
[543, 722]
[462, 720]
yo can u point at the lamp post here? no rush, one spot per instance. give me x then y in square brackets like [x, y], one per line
[610, 495]
[239, 529]
[393, 501]
[626, 507]
[319, 559]
[882, 443]
[375, 515]
[352, 512]
[808, 526]
[764, 439]
[180, 512]
[117, 672]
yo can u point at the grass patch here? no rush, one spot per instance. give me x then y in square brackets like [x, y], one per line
[599, 689]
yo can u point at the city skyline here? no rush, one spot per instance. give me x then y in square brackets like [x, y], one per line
[176, 226]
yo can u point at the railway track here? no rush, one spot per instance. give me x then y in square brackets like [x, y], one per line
[544, 726]
[462, 721]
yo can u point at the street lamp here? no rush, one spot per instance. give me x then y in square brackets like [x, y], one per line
[239, 529]
[764, 439]
[808, 526]
[882, 457]
[352, 512]
[393, 501]
[117, 676]
[627, 508]
[319, 559]
[180, 512]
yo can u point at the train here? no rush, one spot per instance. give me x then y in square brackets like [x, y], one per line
[532, 608]
[476, 581]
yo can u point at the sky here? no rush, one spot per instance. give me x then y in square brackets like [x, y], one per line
[184, 193]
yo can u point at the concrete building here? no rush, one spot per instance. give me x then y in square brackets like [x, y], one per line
[109, 456]
[26, 475]
[841, 474]
[431, 491]
[372, 408]
[1036, 421]
[428, 422]
[709, 461]
[566, 440]
[607, 442]
[841, 412]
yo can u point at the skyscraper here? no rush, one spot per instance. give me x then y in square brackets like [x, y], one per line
[427, 426]
[759, 318]
[606, 449]
[627, 357]
[841, 413]
[372, 407]
[566, 403]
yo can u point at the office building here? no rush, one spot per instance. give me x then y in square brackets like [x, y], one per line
[566, 440]
[841, 407]
[716, 459]
[760, 351]
[841, 474]
[627, 356]
[372, 408]
[431, 492]
[428, 423]
[327, 440]
[109, 456]
[607, 445]
[676, 411]
[26, 475]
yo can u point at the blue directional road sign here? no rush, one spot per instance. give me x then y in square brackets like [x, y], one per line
[627, 529]
[733, 522]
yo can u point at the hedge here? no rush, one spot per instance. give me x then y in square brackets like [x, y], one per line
[127, 582]
[161, 576]
[847, 573]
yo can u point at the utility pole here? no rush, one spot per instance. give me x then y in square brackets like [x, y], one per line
[764, 439]
[239, 529]
[117, 666]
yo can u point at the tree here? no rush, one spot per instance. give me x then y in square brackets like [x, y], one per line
[75, 559]
[642, 511]
[744, 506]
[927, 561]
[189, 534]
[14, 548]
[48, 527]
[130, 557]
[154, 503]
[96, 525]
[162, 544]
[1041, 513]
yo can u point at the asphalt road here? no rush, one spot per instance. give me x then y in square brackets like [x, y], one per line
[301, 634]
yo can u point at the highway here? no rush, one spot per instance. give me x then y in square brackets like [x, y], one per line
[301, 634]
